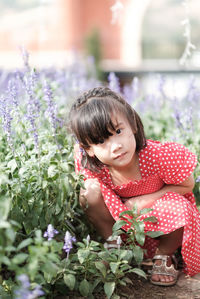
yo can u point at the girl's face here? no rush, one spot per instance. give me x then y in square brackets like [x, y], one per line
[118, 150]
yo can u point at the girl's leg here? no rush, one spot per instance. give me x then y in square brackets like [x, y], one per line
[98, 214]
[93, 204]
[167, 246]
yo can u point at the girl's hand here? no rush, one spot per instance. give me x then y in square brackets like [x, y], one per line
[143, 201]
[147, 200]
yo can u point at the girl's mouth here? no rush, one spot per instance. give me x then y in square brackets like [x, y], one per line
[120, 156]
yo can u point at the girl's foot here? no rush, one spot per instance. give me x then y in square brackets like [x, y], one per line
[163, 271]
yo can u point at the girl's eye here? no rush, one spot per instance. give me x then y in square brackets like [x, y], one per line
[101, 141]
[118, 131]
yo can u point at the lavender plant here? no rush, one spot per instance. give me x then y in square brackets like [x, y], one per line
[24, 291]
[38, 184]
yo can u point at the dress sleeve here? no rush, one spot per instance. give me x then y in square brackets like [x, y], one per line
[176, 163]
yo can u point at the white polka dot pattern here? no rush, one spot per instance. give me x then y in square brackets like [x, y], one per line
[168, 163]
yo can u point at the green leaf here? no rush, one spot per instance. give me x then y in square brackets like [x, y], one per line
[139, 226]
[139, 232]
[138, 254]
[119, 224]
[109, 288]
[5, 203]
[126, 254]
[114, 267]
[19, 258]
[145, 211]
[70, 280]
[50, 269]
[52, 171]
[94, 284]
[101, 267]
[154, 234]
[140, 238]
[24, 243]
[84, 288]
[152, 219]
[83, 254]
[4, 224]
[10, 234]
[128, 280]
[12, 165]
[15, 223]
[5, 260]
[139, 272]
[3, 179]
[129, 212]
[10, 248]
[44, 184]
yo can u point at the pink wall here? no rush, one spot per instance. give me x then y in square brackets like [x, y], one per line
[64, 26]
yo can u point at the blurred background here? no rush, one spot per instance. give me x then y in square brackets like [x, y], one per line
[126, 36]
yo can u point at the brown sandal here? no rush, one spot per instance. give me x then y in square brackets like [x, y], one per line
[163, 269]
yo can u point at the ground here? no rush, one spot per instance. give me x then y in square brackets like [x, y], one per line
[186, 288]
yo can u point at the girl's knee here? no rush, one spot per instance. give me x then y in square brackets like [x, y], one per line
[91, 195]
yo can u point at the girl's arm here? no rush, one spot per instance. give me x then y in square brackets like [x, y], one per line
[147, 200]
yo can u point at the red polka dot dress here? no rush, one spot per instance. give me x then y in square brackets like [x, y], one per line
[160, 164]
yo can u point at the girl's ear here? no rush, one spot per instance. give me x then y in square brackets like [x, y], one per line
[90, 152]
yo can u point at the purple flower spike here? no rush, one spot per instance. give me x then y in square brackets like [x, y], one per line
[24, 291]
[51, 231]
[114, 82]
[5, 114]
[23, 278]
[198, 179]
[51, 111]
[69, 239]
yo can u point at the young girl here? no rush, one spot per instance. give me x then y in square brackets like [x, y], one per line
[122, 168]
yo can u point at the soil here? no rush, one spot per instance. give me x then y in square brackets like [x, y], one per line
[186, 288]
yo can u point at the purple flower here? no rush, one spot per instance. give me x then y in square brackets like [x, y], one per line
[6, 119]
[178, 117]
[24, 291]
[13, 92]
[131, 91]
[33, 105]
[114, 82]
[198, 179]
[51, 111]
[51, 231]
[69, 239]
[161, 84]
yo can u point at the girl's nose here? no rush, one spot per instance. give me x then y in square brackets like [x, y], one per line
[115, 146]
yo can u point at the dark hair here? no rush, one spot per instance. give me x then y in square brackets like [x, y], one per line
[90, 121]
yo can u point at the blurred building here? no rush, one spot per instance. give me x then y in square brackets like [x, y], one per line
[53, 30]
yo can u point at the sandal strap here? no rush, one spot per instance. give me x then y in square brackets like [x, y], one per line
[161, 257]
[164, 257]
[163, 269]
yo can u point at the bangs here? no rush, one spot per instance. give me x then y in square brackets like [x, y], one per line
[94, 123]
